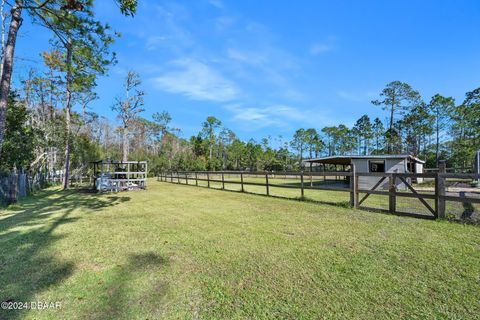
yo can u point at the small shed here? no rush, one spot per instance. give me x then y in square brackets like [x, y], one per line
[400, 163]
[111, 175]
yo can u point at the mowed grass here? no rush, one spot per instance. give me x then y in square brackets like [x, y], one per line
[181, 252]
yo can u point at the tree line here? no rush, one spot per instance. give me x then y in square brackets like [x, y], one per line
[39, 129]
[439, 129]
[79, 53]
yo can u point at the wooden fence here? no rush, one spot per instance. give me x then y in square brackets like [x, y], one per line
[18, 184]
[387, 185]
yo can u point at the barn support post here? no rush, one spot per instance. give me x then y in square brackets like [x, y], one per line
[129, 175]
[392, 196]
[354, 187]
[266, 184]
[311, 178]
[440, 190]
[302, 197]
[145, 176]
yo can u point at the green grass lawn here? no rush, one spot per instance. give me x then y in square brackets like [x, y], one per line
[181, 252]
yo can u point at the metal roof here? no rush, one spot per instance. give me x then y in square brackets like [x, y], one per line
[346, 159]
[117, 162]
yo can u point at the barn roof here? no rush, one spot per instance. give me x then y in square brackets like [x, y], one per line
[117, 162]
[347, 159]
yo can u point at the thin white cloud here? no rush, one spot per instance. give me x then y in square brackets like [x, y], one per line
[253, 118]
[266, 65]
[153, 41]
[216, 3]
[319, 48]
[252, 57]
[197, 81]
[224, 23]
[356, 96]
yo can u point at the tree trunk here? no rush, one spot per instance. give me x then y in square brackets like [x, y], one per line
[68, 110]
[392, 112]
[389, 147]
[437, 148]
[3, 17]
[125, 143]
[15, 23]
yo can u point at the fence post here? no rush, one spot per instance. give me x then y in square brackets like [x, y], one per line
[392, 197]
[301, 184]
[186, 177]
[196, 179]
[12, 197]
[241, 180]
[208, 180]
[354, 187]
[266, 183]
[178, 177]
[223, 181]
[440, 191]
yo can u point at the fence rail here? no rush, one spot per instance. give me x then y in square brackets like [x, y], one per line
[391, 185]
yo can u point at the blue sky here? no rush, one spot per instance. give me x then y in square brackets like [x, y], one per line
[266, 68]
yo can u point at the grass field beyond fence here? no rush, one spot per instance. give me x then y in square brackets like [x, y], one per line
[180, 252]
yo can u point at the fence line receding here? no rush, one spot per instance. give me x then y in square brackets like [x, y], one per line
[380, 189]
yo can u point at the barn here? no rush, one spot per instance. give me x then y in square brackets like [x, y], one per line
[399, 163]
[116, 176]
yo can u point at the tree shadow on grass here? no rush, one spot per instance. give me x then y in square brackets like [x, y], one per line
[26, 233]
[126, 296]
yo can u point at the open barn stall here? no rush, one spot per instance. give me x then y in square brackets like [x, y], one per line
[118, 176]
